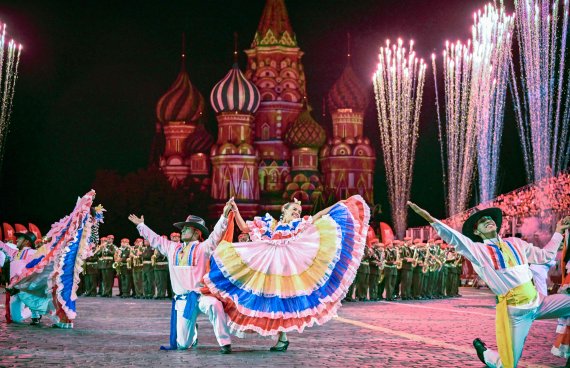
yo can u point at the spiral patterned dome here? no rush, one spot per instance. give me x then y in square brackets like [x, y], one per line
[305, 131]
[235, 93]
[182, 101]
[348, 92]
[200, 141]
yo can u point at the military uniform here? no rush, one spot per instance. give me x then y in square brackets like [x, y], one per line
[390, 271]
[430, 277]
[161, 275]
[148, 272]
[363, 275]
[137, 264]
[91, 276]
[375, 272]
[406, 253]
[450, 272]
[418, 275]
[105, 264]
[124, 269]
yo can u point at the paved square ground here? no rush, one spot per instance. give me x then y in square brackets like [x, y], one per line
[125, 332]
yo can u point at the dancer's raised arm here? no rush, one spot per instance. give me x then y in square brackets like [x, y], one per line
[239, 220]
[156, 241]
[463, 244]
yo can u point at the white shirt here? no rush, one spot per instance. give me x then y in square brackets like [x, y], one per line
[186, 278]
[499, 279]
[18, 258]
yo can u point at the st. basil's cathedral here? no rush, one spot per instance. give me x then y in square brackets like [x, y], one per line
[269, 148]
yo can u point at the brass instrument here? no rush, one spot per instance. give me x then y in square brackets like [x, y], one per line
[129, 263]
[427, 259]
[118, 263]
[381, 258]
[153, 260]
[415, 259]
[117, 267]
[136, 258]
[399, 261]
[457, 260]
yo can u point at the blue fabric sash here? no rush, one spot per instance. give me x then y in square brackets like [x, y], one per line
[191, 303]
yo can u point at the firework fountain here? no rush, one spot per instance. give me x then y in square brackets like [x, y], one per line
[458, 136]
[475, 81]
[542, 107]
[9, 61]
[398, 86]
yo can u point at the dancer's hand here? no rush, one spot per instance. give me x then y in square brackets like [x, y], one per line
[420, 211]
[235, 208]
[563, 225]
[228, 207]
[136, 220]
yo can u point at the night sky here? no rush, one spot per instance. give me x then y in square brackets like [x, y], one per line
[92, 72]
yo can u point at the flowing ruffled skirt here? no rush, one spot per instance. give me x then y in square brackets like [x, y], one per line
[289, 284]
[54, 273]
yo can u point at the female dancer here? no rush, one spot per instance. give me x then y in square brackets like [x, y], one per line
[44, 280]
[294, 272]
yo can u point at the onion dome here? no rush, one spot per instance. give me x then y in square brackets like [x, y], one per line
[200, 141]
[182, 101]
[305, 131]
[235, 93]
[348, 92]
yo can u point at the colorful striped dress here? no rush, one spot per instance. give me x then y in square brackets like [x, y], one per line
[291, 275]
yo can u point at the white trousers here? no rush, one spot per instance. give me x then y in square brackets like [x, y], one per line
[211, 307]
[550, 307]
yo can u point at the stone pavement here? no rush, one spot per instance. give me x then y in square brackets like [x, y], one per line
[125, 332]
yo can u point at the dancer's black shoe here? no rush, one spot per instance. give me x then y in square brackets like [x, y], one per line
[480, 347]
[280, 346]
[226, 349]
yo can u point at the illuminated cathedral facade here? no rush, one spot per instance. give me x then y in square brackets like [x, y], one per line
[269, 148]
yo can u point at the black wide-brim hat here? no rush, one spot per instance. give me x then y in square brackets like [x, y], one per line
[28, 235]
[469, 225]
[196, 222]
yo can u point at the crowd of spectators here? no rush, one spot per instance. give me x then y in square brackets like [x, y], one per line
[547, 200]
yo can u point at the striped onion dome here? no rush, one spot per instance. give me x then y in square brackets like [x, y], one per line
[235, 93]
[200, 141]
[348, 92]
[305, 131]
[182, 101]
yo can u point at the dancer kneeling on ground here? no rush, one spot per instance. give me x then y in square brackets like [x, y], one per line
[188, 262]
[295, 271]
[504, 266]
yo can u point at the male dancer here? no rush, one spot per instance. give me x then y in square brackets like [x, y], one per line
[188, 263]
[504, 265]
